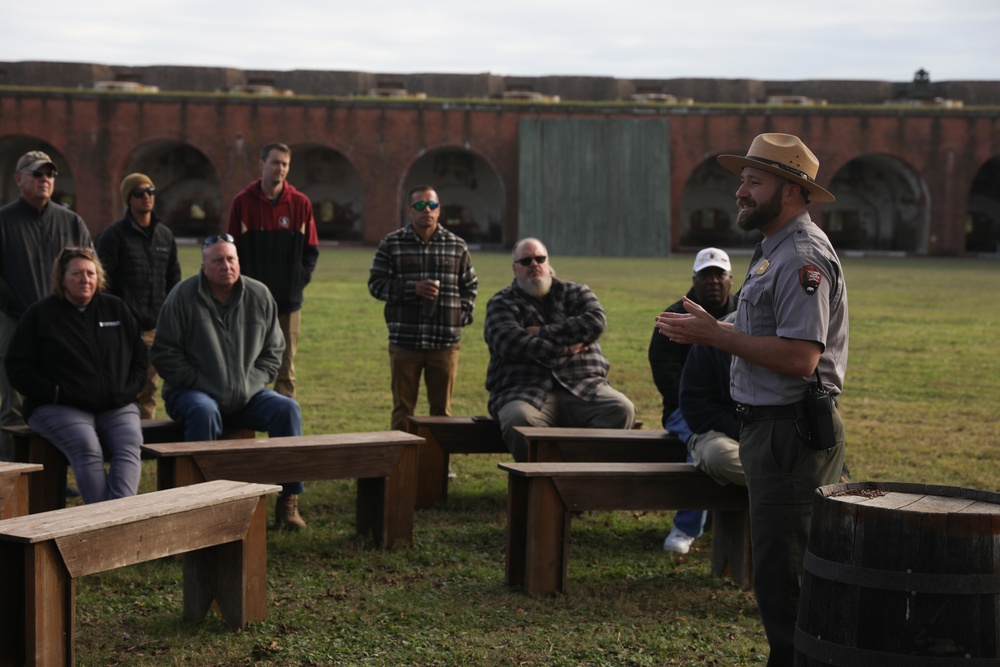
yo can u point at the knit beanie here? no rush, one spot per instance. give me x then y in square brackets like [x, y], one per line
[131, 182]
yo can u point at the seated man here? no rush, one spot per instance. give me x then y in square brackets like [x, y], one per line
[217, 345]
[546, 366]
[711, 283]
[710, 412]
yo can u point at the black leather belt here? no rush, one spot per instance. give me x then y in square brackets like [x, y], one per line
[750, 413]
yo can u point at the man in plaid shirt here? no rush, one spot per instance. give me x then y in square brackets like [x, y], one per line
[546, 366]
[424, 274]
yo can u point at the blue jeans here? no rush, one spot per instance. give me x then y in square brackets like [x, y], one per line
[266, 411]
[690, 522]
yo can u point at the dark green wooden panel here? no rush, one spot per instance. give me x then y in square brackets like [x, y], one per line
[596, 187]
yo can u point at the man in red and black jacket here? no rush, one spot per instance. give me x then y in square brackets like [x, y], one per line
[273, 227]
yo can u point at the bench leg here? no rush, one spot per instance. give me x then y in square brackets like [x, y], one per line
[14, 495]
[234, 575]
[517, 529]
[38, 613]
[175, 471]
[48, 487]
[432, 471]
[731, 547]
[546, 538]
[385, 505]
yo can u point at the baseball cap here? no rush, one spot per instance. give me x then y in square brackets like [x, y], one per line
[712, 257]
[32, 160]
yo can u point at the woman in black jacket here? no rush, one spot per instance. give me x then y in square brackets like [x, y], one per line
[78, 359]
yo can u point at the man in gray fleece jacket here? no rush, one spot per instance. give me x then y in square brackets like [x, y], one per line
[217, 346]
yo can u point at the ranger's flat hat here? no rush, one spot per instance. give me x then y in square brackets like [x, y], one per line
[784, 155]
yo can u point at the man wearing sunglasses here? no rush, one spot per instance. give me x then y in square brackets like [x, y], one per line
[424, 274]
[546, 367]
[275, 232]
[139, 256]
[33, 231]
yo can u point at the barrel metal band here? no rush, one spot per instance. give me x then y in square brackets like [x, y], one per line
[888, 580]
[830, 653]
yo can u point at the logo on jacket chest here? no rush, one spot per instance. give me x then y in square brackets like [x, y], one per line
[284, 222]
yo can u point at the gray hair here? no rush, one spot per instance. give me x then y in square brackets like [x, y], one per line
[513, 252]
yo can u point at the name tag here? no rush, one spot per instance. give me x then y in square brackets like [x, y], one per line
[116, 323]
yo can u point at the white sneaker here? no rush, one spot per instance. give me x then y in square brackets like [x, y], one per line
[678, 541]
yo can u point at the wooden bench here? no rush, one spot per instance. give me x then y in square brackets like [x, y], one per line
[444, 436]
[48, 491]
[554, 445]
[14, 488]
[383, 462]
[452, 435]
[219, 526]
[541, 498]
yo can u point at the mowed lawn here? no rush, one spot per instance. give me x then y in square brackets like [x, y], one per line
[920, 405]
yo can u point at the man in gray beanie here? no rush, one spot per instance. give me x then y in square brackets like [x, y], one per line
[33, 231]
[139, 255]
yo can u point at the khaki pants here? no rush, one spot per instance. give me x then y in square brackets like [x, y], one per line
[147, 395]
[439, 368]
[290, 324]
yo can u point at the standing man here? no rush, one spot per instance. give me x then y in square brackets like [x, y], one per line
[33, 231]
[273, 226]
[546, 366]
[217, 346]
[424, 274]
[711, 284]
[139, 256]
[791, 326]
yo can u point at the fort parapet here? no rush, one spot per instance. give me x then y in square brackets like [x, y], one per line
[617, 167]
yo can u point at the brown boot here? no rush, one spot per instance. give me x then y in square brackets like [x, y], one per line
[286, 513]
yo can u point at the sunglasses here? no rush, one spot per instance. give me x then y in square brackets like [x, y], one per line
[44, 174]
[526, 261]
[218, 238]
[139, 192]
[421, 205]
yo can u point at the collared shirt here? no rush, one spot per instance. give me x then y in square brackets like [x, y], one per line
[794, 289]
[402, 259]
[526, 367]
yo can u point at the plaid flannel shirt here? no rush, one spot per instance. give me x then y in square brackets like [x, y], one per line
[526, 367]
[401, 260]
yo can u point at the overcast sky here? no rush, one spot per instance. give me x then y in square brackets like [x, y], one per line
[768, 39]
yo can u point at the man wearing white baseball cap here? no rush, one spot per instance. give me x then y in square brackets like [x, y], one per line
[711, 283]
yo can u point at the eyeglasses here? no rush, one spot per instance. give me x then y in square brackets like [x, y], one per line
[218, 238]
[526, 261]
[421, 205]
[139, 192]
[38, 173]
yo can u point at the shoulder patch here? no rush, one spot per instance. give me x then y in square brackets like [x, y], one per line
[810, 278]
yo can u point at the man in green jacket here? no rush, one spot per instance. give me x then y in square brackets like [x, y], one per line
[217, 346]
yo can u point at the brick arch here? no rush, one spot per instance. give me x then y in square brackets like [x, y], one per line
[331, 181]
[471, 189]
[708, 209]
[188, 193]
[982, 223]
[882, 204]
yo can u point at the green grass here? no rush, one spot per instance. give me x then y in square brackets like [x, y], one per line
[919, 403]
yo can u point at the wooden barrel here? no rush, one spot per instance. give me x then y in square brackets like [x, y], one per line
[901, 575]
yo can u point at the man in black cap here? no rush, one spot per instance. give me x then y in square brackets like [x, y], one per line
[33, 231]
[139, 256]
[790, 332]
